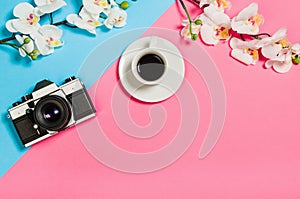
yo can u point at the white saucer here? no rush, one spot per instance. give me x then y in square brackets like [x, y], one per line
[171, 80]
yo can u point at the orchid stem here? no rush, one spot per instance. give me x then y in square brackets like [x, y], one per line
[187, 14]
[15, 46]
[51, 18]
[80, 9]
[8, 39]
[196, 1]
[242, 37]
[65, 23]
[258, 35]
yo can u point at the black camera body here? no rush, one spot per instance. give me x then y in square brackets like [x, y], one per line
[50, 109]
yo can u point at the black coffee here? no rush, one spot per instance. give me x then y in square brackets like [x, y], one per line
[150, 67]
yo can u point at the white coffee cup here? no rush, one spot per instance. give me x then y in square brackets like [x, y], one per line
[151, 52]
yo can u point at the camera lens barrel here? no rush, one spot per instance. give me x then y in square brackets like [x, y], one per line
[52, 113]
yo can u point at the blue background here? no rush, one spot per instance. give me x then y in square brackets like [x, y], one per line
[19, 75]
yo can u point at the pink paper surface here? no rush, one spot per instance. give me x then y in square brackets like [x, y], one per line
[257, 155]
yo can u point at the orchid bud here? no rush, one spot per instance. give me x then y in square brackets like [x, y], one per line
[27, 40]
[194, 37]
[124, 5]
[198, 22]
[35, 52]
[33, 57]
[296, 59]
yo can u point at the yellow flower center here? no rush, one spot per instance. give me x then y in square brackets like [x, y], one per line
[252, 52]
[93, 23]
[118, 20]
[256, 20]
[102, 3]
[52, 42]
[222, 4]
[32, 20]
[285, 43]
[222, 32]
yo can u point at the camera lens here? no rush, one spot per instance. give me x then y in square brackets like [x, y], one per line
[52, 113]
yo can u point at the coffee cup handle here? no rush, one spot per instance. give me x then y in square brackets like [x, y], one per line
[153, 42]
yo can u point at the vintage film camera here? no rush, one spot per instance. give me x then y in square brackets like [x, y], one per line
[50, 109]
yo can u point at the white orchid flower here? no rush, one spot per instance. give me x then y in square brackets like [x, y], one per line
[27, 21]
[215, 25]
[26, 48]
[221, 4]
[248, 20]
[279, 52]
[245, 51]
[116, 18]
[186, 33]
[275, 44]
[85, 20]
[47, 38]
[48, 6]
[95, 6]
[282, 63]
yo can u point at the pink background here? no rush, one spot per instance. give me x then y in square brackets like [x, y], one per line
[257, 156]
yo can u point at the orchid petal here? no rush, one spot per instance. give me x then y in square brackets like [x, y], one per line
[28, 47]
[243, 57]
[42, 45]
[185, 22]
[250, 10]
[121, 24]
[271, 51]
[185, 32]
[85, 14]
[243, 28]
[22, 10]
[23, 27]
[117, 17]
[49, 8]
[95, 7]
[10, 27]
[207, 34]
[22, 52]
[50, 30]
[215, 26]
[279, 35]
[234, 42]
[269, 64]
[283, 63]
[51, 35]
[296, 49]
[77, 21]
[248, 20]
[282, 67]
[237, 43]
[206, 20]
[40, 2]
[85, 20]
[108, 24]
[217, 17]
